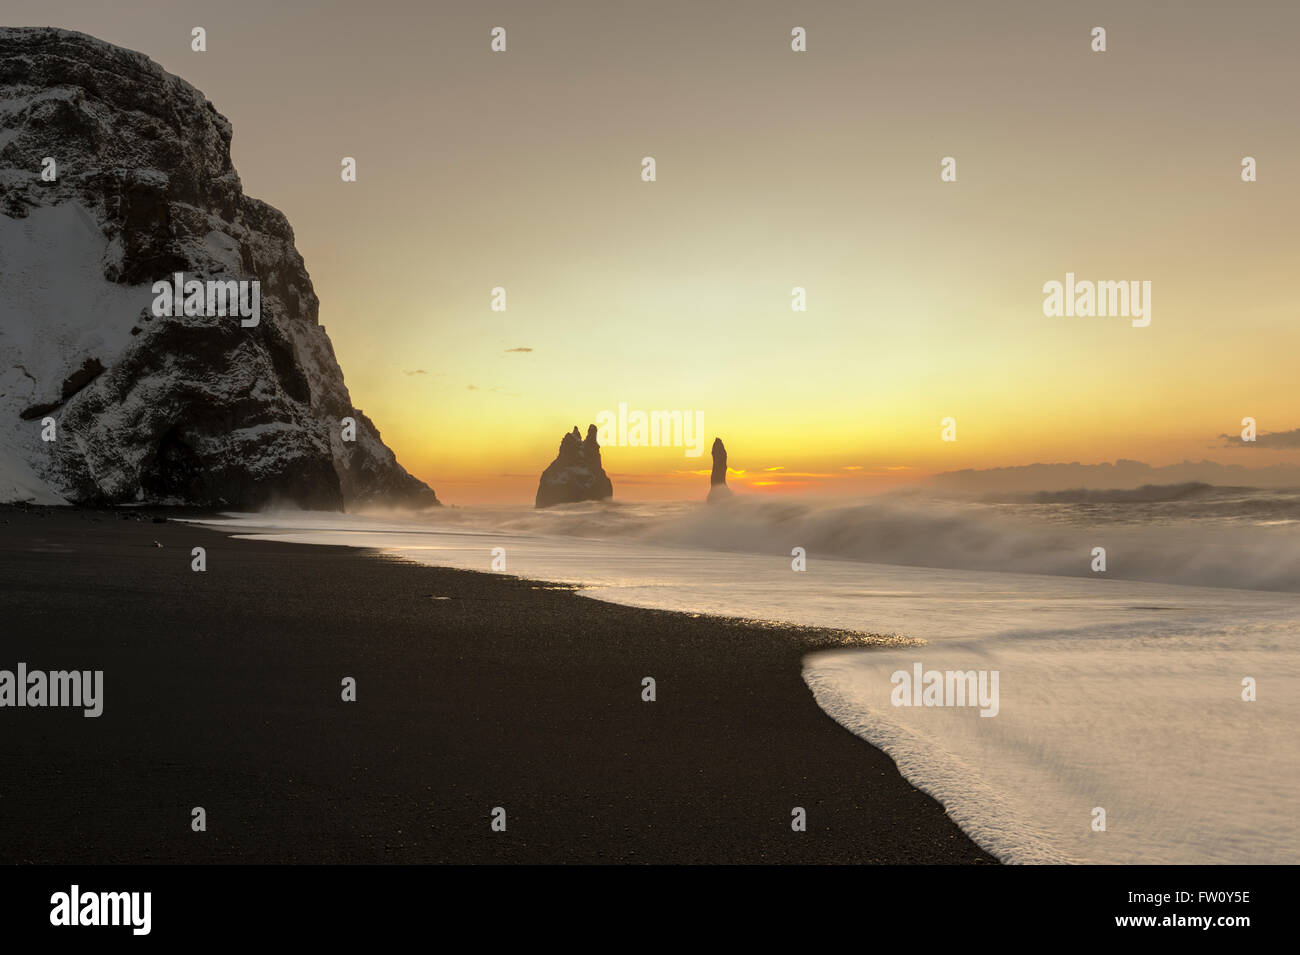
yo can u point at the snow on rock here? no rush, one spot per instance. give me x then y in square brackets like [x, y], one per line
[197, 409]
[18, 482]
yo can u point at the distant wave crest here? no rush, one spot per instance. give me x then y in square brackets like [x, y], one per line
[1187, 534]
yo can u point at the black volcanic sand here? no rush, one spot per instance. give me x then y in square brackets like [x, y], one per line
[222, 690]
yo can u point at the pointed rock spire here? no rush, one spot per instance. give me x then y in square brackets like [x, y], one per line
[576, 473]
[718, 490]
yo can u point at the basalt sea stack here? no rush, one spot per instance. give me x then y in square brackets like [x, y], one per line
[718, 490]
[116, 175]
[576, 473]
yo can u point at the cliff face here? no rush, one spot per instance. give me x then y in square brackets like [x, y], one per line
[576, 473]
[164, 409]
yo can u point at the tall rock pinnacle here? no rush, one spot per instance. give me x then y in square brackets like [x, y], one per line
[718, 490]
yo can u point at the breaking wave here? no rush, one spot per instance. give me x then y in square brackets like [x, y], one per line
[1185, 534]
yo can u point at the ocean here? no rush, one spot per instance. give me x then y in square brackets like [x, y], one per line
[1124, 730]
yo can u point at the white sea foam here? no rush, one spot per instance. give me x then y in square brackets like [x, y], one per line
[1117, 694]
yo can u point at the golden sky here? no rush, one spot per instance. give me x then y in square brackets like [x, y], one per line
[775, 169]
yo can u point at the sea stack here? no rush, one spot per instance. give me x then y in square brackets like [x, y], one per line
[576, 473]
[718, 490]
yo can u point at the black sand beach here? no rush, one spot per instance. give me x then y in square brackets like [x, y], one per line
[222, 690]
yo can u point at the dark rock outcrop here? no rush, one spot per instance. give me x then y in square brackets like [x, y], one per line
[186, 409]
[576, 473]
[718, 490]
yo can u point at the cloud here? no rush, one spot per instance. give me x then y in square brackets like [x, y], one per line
[508, 350]
[1265, 439]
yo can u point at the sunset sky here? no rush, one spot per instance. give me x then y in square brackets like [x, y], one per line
[775, 169]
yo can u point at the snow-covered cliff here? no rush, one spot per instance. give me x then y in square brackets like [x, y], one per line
[186, 409]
